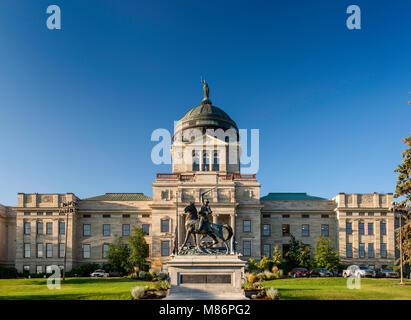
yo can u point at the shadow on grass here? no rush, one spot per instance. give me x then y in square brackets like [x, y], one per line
[96, 281]
[67, 296]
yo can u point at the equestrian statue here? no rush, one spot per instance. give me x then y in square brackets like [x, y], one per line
[197, 223]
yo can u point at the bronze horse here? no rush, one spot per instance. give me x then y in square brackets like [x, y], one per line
[221, 231]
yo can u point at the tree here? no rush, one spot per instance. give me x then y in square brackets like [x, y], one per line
[277, 258]
[138, 249]
[117, 256]
[403, 190]
[299, 254]
[324, 254]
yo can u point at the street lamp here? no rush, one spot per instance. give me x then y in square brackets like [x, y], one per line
[67, 207]
[396, 208]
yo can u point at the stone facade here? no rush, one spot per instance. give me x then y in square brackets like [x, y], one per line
[33, 234]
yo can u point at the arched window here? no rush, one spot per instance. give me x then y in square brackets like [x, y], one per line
[206, 161]
[196, 161]
[216, 161]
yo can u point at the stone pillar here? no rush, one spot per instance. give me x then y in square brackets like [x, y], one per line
[215, 218]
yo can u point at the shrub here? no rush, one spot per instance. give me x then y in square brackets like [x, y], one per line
[8, 273]
[272, 293]
[251, 278]
[137, 292]
[261, 276]
[164, 285]
[162, 276]
[269, 275]
[143, 275]
[83, 270]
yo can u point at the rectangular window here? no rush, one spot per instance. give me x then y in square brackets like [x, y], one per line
[361, 227]
[370, 250]
[370, 214]
[165, 248]
[206, 161]
[146, 229]
[126, 229]
[216, 164]
[86, 230]
[165, 225]
[145, 215]
[61, 250]
[86, 251]
[370, 228]
[325, 216]
[383, 228]
[39, 269]
[27, 213]
[247, 248]
[105, 249]
[196, 161]
[27, 250]
[39, 250]
[39, 227]
[49, 250]
[383, 250]
[361, 214]
[62, 227]
[305, 230]
[362, 250]
[267, 250]
[126, 216]
[349, 214]
[48, 269]
[305, 216]
[86, 216]
[106, 215]
[266, 230]
[348, 250]
[286, 230]
[383, 214]
[266, 216]
[26, 269]
[285, 216]
[324, 230]
[246, 225]
[27, 227]
[106, 229]
[348, 227]
[49, 228]
[286, 249]
[49, 213]
[40, 213]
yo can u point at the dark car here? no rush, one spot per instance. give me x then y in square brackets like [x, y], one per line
[387, 273]
[299, 272]
[321, 272]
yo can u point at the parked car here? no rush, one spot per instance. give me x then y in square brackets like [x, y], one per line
[299, 272]
[321, 272]
[387, 273]
[362, 271]
[99, 273]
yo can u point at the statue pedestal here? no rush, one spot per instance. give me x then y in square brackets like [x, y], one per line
[206, 277]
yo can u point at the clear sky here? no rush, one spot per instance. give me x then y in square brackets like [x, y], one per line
[78, 105]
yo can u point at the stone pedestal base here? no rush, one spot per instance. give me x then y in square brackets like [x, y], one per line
[206, 277]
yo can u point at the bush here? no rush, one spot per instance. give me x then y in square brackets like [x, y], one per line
[137, 292]
[272, 293]
[162, 276]
[83, 270]
[251, 278]
[8, 273]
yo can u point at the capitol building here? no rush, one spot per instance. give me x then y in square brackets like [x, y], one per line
[33, 233]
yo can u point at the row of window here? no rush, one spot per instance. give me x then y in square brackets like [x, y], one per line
[39, 269]
[305, 229]
[305, 216]
[370, 228]
[370, 214]
[40, 227]
[206, 161]
[40, 250]
[362, 253]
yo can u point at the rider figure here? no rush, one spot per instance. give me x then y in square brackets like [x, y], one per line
[204, 211]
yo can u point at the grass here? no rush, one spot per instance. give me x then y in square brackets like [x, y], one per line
[72, 289]
[119, 289]
[336, 289]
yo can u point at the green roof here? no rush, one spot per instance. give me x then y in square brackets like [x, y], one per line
[290, 196]
[121, 197]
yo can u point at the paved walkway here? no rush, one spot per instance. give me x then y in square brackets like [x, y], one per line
[204, 292]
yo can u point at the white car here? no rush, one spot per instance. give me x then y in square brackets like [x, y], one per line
[99, 273]
[356, 271]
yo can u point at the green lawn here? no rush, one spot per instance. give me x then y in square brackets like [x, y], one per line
[119, 289]
[336, 289]
[73, 288]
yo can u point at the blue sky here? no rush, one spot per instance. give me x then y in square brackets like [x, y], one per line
[78, 105]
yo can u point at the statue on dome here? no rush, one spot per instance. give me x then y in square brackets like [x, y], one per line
[206, 90]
